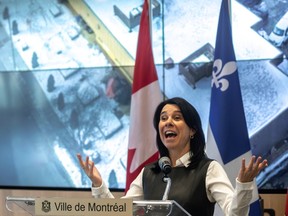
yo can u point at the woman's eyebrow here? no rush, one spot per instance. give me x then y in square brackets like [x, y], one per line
[176, 111]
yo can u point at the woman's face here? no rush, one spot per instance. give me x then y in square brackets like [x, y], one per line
[174, 132]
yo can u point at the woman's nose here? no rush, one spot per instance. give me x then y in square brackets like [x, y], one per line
[169, 122]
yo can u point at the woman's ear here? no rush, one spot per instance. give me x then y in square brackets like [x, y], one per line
[192, 133]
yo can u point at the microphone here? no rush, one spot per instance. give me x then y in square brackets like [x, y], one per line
[165, 165]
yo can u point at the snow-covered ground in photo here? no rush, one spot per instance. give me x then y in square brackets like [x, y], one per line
[188, 25]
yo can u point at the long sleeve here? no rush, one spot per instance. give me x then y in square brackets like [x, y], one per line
[101, 192]
[219, 188]
[136, 188]
[232, 201]
[135, 191]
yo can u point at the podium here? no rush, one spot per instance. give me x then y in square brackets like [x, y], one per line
[18, 205]
[158, 208]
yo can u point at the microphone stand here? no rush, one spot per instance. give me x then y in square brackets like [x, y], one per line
[168, 186]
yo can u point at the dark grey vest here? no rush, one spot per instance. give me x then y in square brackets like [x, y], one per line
[187, 187]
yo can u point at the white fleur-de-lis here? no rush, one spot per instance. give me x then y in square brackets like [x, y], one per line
[219, 73]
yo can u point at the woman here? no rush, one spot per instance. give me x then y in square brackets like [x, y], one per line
[197, 181]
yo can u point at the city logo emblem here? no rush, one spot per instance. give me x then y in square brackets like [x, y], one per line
[46, 206]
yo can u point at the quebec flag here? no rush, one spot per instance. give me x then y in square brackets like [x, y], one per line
[227, 137]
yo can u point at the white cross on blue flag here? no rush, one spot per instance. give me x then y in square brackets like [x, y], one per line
[228, 139]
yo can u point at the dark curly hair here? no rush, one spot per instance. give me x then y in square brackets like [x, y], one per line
[192, 119]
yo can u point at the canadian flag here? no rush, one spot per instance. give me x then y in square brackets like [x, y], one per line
[146, 95]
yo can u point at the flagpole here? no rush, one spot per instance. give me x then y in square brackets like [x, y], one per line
[150, 19]
[163, 48]
[230, 12]
[163, 37]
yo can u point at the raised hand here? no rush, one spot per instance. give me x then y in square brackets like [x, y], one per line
[90, 170]
[247, 174]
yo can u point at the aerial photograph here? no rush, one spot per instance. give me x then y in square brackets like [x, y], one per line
[67, 72]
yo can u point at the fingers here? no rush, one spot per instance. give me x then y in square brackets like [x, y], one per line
[259, 164]
[85, 164]
[262, 164]
[248, 173]
[256, 164]
[80, 160]
[243, 166]
[252, 163]
[91, 170]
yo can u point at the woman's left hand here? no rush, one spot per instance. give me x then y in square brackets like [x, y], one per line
[247, 174]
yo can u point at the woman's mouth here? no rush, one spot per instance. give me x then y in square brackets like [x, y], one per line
[170, 134]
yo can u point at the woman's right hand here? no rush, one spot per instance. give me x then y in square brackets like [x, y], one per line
[90, 170]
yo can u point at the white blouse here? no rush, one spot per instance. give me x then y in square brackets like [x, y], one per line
[218, 189]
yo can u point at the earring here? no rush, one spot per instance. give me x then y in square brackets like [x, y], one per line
[192, 137]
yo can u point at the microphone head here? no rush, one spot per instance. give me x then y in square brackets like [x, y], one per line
[165, 165]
